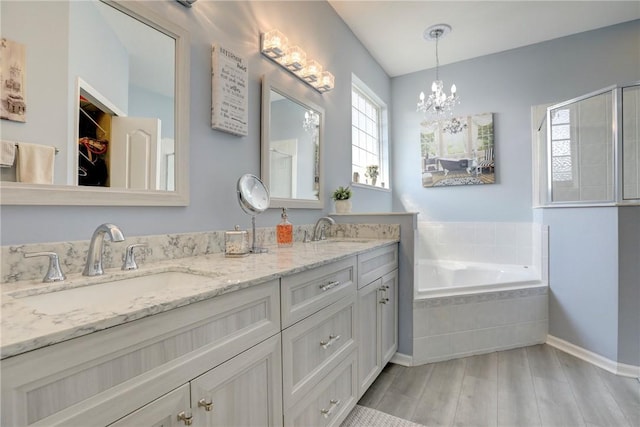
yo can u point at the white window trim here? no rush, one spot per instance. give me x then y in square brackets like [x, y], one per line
[385, 175]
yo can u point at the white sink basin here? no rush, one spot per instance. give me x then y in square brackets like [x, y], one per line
[112, 295]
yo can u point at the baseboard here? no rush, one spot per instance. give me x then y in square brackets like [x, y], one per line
[402, 359]
[593, 358]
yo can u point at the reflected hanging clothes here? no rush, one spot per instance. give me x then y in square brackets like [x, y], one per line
[92, 168]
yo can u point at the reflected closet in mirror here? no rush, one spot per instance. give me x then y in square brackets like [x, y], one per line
[115, 105]
[292, 132]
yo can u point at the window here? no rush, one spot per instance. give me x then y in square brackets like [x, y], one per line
[561, 163]
[369, 152]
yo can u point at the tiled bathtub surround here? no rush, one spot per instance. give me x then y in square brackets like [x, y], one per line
[451, 327]
[481, 322]
[160, 248]
[486, 242]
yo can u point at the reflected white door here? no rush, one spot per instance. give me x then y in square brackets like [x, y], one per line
[135, 153]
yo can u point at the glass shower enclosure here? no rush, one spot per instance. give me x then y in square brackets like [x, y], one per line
[590, 152]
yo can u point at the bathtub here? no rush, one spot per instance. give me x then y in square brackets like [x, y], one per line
[466, 308]
[451, 278]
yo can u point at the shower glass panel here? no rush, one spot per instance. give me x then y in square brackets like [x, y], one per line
[631, 142]
[580, 151]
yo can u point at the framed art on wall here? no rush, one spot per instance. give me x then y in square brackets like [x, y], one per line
[457, 151]
[12, 81]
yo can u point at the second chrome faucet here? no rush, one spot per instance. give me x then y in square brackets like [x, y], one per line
[93, 267]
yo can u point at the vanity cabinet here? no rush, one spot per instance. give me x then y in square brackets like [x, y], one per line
[377, 315]
[319, 344]
[97, 378]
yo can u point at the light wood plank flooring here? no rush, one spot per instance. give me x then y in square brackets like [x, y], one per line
[531, 386]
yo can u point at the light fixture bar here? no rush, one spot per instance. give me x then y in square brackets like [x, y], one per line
[275, 46]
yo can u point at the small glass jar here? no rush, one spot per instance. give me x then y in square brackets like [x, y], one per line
[236, 243]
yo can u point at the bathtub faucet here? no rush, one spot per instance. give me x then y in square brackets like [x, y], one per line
[318, 230]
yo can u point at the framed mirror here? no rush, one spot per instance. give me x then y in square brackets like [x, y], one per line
[133, 68]
[292, 132]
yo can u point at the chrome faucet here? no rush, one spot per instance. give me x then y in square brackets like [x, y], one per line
[318, 230]
[93, 267]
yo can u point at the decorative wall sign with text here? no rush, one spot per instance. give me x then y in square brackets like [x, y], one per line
[12, 81]
[229, 111]
[458, 151]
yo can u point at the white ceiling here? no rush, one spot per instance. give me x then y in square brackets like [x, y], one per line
[392, 30]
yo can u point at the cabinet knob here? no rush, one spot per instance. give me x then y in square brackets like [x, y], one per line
[328, 343]
[208, 406]
[188, 419]
[333, 403]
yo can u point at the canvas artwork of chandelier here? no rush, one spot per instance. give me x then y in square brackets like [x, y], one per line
[438, 102]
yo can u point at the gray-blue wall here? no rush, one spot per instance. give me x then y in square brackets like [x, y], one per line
[217, 159]
[594, 300]
[506, 84]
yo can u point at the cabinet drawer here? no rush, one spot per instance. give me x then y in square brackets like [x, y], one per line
[377, 263]
[306, 293]
[331, 401]
[127, 366]
[314, 346]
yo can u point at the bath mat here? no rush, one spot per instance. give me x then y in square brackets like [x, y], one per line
[361, 416]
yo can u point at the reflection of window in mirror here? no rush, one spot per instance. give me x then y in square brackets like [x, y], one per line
[369, 142]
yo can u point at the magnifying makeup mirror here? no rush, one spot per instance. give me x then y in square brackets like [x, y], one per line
[254, 199]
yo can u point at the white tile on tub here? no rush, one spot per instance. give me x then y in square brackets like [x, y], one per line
[462, 343]
[505, 234]
[485, 233]
[484, 253]
[489, 314]
[524, 255]
[463, 317]
[506, 254]
[432, 347]
[486, 339]
[524, 234]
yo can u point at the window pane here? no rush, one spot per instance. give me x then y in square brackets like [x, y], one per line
[561, 132]
[560, 116]
[561, 148]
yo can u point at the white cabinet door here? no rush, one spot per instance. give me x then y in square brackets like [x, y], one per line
[369, 356]
[244, 391]
[162, 412]
[389, 316]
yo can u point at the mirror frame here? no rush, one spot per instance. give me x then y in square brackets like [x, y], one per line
[34, 194]
[298, 95]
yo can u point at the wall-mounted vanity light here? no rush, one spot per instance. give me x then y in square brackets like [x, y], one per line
[275, 46]
[186, 3]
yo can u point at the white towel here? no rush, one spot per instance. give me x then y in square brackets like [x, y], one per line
[7, 153]
[35, 163]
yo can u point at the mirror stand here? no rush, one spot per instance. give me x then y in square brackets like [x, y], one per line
[254, 199]
[255, 249]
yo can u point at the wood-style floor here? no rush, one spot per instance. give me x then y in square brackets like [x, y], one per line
[531, 386]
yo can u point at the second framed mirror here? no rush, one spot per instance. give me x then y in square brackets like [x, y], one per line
[292, 133]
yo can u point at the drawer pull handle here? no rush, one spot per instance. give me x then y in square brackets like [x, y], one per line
[328, 343]
[208, 406]
[188, 419]
[330, 285]
[333, 404]
[384, 300]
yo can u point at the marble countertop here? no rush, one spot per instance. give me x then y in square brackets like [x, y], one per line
[25, 328]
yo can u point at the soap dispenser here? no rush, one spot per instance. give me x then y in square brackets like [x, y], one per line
[284, 231]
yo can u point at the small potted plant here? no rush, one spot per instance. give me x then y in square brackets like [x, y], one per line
[341, 198]
[372, 172]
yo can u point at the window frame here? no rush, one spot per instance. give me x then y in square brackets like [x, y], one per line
[359, 87]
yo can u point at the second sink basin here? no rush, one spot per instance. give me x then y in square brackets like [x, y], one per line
[110, 295]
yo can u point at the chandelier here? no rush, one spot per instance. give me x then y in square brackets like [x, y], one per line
[311, 121]
[438, 102]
